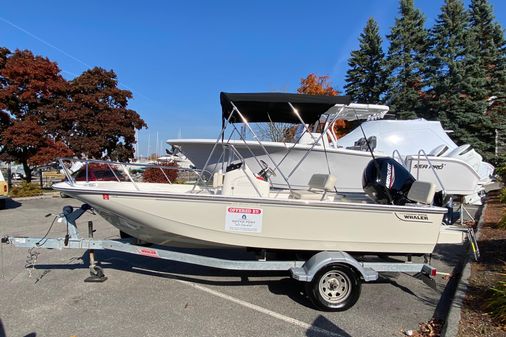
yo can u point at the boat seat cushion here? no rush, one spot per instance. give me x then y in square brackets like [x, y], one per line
[324, 182]
[422, 192]
[318, 184]
[306, 195]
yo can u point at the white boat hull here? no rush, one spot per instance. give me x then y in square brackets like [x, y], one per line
[346, 165]
[173, 218]
[456, 176]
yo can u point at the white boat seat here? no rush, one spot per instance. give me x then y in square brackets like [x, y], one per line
[422, 192]
[439, 151]
[319, 185]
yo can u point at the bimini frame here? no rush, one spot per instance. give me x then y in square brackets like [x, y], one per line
[340, 108]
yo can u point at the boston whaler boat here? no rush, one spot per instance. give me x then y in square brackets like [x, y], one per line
[237, 206]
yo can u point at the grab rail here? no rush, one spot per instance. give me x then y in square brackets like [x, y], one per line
[421, 151]
[124, 167]
[400, 157]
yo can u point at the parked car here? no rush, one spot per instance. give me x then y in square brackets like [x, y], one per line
[99, 172]
[4, 191]
[17, 176]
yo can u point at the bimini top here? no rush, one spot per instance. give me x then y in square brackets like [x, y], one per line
[267, 107]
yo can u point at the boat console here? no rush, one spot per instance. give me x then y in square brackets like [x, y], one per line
[239, 180]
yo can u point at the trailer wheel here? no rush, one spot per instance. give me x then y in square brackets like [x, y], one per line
[335, 287]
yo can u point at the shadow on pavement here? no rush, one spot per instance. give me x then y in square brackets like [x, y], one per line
[11, 204]
[323, 323]
[2, 331]
[282, 284]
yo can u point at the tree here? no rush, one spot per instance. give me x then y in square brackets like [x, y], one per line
[491, 54]
[365, 78]
[312, 84]
[488, 35]
[457, 81]
[96, 122]
[28, 87]
[316, 85]
[406, 62]
[166, 175]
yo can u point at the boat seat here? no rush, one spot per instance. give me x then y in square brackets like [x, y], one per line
[218, 178]
[422, 192]
[319, 185]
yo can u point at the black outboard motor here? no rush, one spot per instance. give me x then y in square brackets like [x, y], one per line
[387, 181]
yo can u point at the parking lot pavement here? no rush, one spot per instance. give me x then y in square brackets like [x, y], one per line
[148, 297]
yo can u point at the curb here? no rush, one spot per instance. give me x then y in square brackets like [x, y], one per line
[44, 196]
[451, 327]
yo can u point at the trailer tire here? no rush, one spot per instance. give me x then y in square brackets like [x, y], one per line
[335, 287]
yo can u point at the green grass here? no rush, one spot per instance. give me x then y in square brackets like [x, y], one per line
[497, 301]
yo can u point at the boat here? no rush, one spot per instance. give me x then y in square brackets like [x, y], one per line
[239, 206]
[176, 156]
[425, 148]
[422, 146]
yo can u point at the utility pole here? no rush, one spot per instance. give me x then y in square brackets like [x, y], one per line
[149, 141]
[496, 143]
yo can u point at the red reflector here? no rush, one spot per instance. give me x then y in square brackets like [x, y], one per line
[433, 272]
[105, 196]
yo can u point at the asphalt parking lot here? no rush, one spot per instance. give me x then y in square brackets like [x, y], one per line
[148, 297]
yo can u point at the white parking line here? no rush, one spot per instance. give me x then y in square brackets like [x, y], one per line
[271, 313]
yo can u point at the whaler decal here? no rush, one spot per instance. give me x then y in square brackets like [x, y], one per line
[412, 217]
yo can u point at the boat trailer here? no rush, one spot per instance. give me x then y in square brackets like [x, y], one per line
[332, 278]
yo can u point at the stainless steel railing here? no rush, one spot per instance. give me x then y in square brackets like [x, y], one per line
[122, 172]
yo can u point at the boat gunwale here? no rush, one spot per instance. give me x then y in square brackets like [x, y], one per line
[269, 201]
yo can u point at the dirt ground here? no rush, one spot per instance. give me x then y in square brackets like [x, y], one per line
[476, 319]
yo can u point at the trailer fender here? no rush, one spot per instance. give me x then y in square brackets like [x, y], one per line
[322, 259]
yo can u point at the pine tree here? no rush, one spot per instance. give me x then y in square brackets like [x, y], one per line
[365, 79]
[406, 62]
[491, 54]
[488, 35]
[457, 80]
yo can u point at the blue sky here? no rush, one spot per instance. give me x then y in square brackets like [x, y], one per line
[177, 56]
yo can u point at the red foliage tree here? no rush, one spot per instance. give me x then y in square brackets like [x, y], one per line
[29, 86]
[155, 174]
[97, 122]
[319, 85]
[316, 85]
[42, 116]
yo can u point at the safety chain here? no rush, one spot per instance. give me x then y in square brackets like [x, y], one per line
[31, 260]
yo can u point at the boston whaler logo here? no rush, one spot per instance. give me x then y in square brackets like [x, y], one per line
[416, 217]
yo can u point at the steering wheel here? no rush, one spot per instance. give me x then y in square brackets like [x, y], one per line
[266, 171]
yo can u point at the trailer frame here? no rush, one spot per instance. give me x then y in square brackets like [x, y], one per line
[341, 264]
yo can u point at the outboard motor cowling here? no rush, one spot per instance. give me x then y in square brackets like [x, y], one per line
[387, 182]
